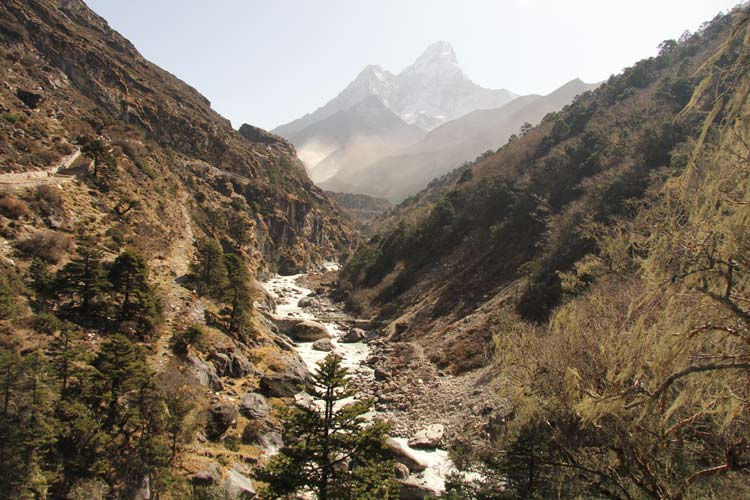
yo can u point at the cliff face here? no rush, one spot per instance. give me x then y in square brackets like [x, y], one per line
[93, 80]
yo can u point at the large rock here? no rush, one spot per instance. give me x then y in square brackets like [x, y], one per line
[308, 302]
[270, 441]
[210, 474]
[231, 363]
[354, 335]
[411, 490]
[428, 438]
[254, 406]
[238, 486]
[324, 345]
[205, 373]
[308, 331]
[404, 455]
[287, 382]
[29, 98]
[220, 417]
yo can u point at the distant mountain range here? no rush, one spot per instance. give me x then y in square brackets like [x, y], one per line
[352, 128]
[397, 176]
[387, 135]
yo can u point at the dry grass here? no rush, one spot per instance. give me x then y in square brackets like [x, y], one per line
[50, 246]
[12, 207]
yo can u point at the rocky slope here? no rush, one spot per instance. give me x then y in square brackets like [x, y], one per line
[103, 152]
[90, 80]
[594, 270]
[497, 232]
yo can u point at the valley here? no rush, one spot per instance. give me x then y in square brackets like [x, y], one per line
[424, 288]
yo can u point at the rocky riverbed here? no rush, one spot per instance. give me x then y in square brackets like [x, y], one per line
[318, 326]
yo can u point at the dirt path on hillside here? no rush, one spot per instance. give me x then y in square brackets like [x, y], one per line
[178, 300]
[49, 175]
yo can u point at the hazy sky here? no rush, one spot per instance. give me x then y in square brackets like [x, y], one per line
[266, 62]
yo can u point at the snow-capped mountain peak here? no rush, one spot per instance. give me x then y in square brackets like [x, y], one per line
[426, 93]
[438, 60]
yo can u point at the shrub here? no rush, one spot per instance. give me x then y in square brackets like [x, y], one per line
[12, 207]
[50, 246]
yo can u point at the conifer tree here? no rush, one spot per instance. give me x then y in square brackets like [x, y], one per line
[330, 448]
[83, 279]
[129, 276]
[237, 294]
[209, 271]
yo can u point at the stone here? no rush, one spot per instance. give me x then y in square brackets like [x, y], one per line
[254, 406]
[380, 374]
[308, 331]
[288, 381]
[404, 456]
[324, 345]
[210, 474]
[401, 471]
[354, 335]
[205, 373]
[220, 417]
[238, 486]
[305, 401]
[428, 438]
[271, 441]
[308, 302]
[29, 98]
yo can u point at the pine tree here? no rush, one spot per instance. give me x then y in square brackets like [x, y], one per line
[42, 282]
[330, 448]
[237, 295]
[209, 271]
[129, 276]
[83, 279]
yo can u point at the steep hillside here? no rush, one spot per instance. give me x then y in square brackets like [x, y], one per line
[520, 216]
[134, 222]
[404, 173]
[597, 269]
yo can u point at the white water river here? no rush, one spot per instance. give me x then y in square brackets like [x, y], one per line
[287, 293]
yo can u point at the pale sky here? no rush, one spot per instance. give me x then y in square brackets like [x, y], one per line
[266, 62]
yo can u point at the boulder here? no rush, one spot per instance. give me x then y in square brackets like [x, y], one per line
[428, 438]
[270, 441]
[324, 345]
[404, 456]
[238, 486]
[411, 490]
[254, 406]
[308, 331]
[231, 363]
[205, 373]
[305, 401]
[29, 98]
[308, 302]
[220, 417]
[210, 474]
[354, 335]
[287, 382]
